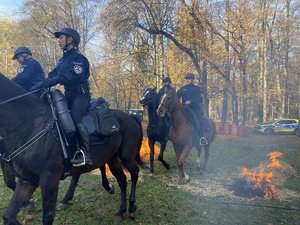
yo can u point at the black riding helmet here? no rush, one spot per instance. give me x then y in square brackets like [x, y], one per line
[20, 51]
[69, 32]
[190, 76]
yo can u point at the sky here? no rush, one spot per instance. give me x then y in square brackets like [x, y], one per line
[10, 4]
[8, 8]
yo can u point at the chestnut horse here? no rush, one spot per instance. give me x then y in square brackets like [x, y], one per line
[181, 133]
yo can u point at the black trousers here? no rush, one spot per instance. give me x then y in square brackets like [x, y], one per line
[78, 105]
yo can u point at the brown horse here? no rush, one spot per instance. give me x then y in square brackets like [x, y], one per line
[181, 133]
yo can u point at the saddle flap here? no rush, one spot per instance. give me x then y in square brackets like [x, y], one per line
[100, 119]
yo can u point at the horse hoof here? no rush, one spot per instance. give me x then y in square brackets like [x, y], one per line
[168, 167]
[180, 182]
[62, 207]
[133, 215]
[151, 176]
[112, 189]
[28, 219]
[188, 180]
[118, 219]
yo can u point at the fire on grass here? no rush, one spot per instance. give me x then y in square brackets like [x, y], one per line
[257, 184]
[144, 152]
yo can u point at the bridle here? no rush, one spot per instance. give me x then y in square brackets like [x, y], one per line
[37, 137]
[170, 106]
[146, 103]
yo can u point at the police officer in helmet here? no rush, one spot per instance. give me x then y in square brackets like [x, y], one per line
[166, 82]
[192, 98]
[30, 73]
[73, 71]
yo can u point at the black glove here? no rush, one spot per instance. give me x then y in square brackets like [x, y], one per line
[49, 82]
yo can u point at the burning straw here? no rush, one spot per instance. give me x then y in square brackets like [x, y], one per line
[259, 184]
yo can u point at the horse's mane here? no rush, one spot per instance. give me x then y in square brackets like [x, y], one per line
[28, 102]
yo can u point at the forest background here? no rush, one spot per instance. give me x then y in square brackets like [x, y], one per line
[245, 53]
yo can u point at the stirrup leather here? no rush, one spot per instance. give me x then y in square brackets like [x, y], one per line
[77, 154]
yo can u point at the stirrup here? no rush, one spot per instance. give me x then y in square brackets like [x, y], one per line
[78, 152]
[203, 141]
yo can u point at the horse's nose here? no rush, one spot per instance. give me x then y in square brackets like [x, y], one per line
[160, 112]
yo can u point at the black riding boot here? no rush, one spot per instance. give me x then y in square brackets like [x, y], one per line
[201, 131]
[82, 156]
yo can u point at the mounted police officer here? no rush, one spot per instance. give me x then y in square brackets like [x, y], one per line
[30, 73]
[73, 71]
[166, 82]
[192, 98]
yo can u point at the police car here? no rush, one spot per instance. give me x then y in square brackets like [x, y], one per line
[283, 126]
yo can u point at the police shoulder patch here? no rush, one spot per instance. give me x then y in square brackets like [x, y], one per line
[20, 69]
[78, 69]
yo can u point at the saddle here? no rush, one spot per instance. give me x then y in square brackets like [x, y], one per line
[99, 120]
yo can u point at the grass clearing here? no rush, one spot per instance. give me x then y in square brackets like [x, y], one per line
[205, 200]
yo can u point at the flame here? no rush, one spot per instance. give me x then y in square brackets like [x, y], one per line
[263, 180]
[144, 153]
[145, 150]
[275, 163]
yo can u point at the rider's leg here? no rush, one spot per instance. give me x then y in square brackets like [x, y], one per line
[201, 128]
[82, 157]
[78, 109]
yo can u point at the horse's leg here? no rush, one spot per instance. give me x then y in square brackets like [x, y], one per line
[116, 169]
[9, 178]
[198, 158]
[180, 162]
[49, 183]
[22, 193]
[134, 173]
[151, 146]
[163, 145]
[206, 147]
[69, 195]
[109, 188]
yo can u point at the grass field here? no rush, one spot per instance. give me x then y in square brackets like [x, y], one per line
[205, 200]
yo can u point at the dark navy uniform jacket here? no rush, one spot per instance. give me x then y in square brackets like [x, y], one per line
[72, 71]
[29, 74]
[193, 94]
[161, 92]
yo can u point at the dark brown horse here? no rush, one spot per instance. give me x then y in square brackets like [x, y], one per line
[181, 133]
[157, 129]
[36, 157]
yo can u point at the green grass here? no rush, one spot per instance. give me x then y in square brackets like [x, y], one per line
[205, 200]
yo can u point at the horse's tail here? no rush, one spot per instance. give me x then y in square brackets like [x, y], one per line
[138, 155]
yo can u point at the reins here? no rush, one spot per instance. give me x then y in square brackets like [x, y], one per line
[17, 97]
[32, 140]
[29, 143]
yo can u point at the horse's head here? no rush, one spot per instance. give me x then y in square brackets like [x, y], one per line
[148, 96]
[166, 102]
